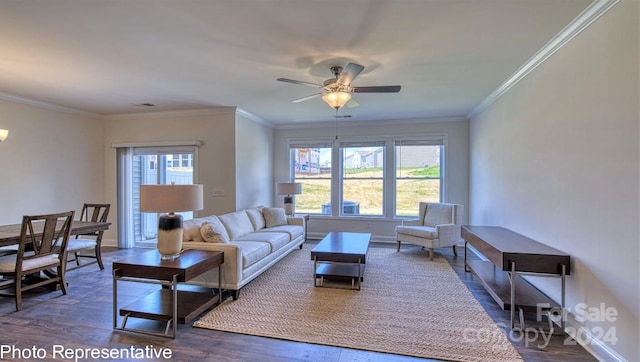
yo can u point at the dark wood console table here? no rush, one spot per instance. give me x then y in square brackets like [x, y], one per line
[511, 256]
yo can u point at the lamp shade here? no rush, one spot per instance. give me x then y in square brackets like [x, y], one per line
[336, 99]
[289, 188]
[3, 134]
[171, 198]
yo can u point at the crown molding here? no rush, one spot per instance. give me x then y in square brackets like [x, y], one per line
[369, 123]
[167, 114]
[50, 106]
[253, 117]
[581, 22]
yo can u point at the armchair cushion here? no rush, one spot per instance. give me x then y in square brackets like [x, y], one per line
[438, 214]
[426, 232]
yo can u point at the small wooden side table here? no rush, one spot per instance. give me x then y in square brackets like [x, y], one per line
[168, 304]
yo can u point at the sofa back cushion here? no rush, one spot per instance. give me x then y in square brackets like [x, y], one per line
[236, 223]
[257, 220]
[274, 216]
[212, 231]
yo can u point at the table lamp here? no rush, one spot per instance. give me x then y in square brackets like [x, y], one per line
[170, 199]
[289, 188]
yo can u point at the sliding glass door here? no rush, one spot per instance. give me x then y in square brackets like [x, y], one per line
[149, 165]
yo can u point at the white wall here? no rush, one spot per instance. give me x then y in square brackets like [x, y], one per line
[52, 161]
[456, 166]
[254, 163]
[557, 159]
[216, 157]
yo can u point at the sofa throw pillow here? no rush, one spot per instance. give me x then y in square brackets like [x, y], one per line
[191, 230]
[214, 232]
[274, 216]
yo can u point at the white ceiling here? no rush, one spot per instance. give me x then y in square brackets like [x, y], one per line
[107, 56]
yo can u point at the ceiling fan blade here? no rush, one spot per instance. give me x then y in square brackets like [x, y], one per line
[349, 73]
[306, 98]
[299, 82]
[352, 103]
[377, 89]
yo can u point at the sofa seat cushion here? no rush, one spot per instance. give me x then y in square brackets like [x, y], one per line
[237, 224]
[427, 232]
[252, 251]
[276, 240]
[294, 231]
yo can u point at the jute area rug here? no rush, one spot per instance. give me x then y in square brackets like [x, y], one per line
[408, 305]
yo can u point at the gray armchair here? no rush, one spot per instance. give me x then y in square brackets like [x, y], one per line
[437, 226]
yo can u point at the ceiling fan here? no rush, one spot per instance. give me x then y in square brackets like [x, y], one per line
[336, 92]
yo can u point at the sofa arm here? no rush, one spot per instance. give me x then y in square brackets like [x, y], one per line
[448, 234]
[294, 220]
[300, 221]
[412, 222]
[232, 266]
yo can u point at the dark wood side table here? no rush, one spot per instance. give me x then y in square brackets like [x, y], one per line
[168, 304]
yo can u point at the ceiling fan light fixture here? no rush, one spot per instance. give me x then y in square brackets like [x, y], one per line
[336, 100]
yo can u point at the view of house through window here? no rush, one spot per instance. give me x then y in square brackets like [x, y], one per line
[312, 168]
[417, 174]
[364, 183]
[152, 166]
[362, 178]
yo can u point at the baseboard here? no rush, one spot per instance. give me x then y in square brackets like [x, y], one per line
[374, 238]
[109, 242]
[590, 343]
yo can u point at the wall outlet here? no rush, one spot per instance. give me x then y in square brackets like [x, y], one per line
[217, 193]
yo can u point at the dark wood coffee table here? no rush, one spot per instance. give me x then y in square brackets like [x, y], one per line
[168, 304]
[342, 256]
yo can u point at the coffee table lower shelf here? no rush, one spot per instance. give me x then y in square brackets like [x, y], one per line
[340, 271]
[158, 306]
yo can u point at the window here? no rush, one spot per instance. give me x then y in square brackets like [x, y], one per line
[362, 178]
[417, 173]
[311, 163]
[371, 178]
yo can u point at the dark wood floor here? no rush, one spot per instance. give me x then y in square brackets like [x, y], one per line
[83, 319]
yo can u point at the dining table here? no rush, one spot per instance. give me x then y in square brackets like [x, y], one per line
[10, 234]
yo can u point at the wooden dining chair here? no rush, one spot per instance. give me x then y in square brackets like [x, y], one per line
[89, 242]
[46, 237]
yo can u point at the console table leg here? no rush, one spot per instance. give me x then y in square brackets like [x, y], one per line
[466, 268]
[562, 306]
[512, 302]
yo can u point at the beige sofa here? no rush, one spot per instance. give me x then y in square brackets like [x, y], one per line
[252, 241]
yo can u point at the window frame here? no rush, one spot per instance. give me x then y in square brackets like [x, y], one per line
[389, 170]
